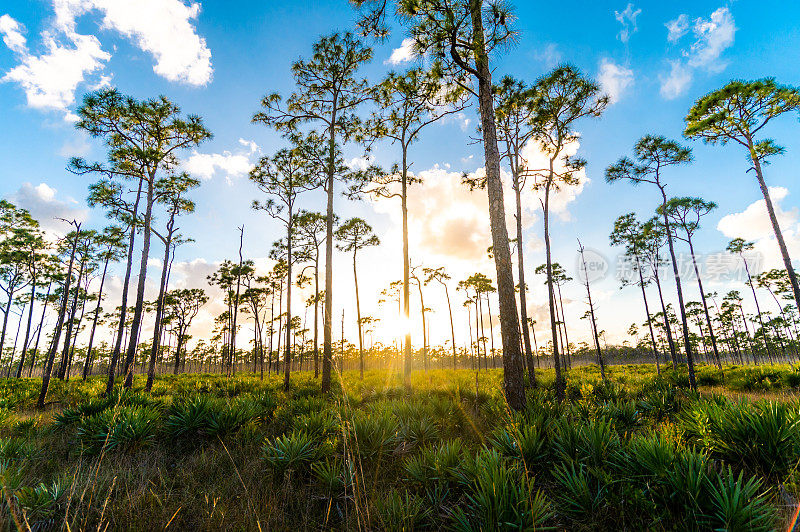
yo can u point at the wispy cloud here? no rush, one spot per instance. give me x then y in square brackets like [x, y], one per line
[712, 37]
[627, 18]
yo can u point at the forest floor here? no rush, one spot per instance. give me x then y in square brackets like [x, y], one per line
[206, 452]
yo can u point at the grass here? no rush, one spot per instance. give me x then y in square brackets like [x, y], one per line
[441, 452]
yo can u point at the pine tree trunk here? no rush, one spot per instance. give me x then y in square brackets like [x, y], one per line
[523, 304]
[62, 311]
[358, 319]
[647, 312]
[28, 326]
[327, 323]
[560, 385]
[139, 305]
[407, 357]
[705, 306]
[513, 373]
[682, 307]
[787, 261]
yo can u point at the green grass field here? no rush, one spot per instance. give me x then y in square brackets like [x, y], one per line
[205, 452]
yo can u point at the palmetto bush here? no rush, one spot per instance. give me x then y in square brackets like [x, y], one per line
[372, 437]
[498, 496]
[436, 464]
[293, 452]
[419, 431]
[739, 504]
[401, 511]
[319, 425]
[126, 428]
[38, 505]
[764, 437]
[227, 417]
[525, 441]
[15, 449]
[190, 419]
[336, 476]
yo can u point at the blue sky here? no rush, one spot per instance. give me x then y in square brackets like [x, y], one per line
[217, 59]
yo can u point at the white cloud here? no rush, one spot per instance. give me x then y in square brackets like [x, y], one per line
[614, 79]
[712, 37]
[233, 165]
[44, 205]
[162, 28]
[50, 80]
[559, 199]
[12, 32]
[359, 163]
[550, 55]
[676, 82]
[753, 224]
[403, 54]
[677, 28]
[628, 20]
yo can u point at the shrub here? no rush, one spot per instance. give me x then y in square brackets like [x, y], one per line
[762, 437]
[291, 452]
[401, 512]
[737, 504]
[527, 442]
[127, 428]
[15, 449]
[580, 494]
[499, 497]
[39, 504]
[373, 436]
[336, 476]
[190, 419]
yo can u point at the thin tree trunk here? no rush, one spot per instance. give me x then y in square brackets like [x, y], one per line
[452, 326]
[41, 326]
[157, 326]
[358, 318]
[51, 355]
[560, 385]
[682, 307]
[513, 372]
[647, 312]
[287, 361]
[705, 306]
[28, 326]
[327, 326]
[667, 327]
[88, 362]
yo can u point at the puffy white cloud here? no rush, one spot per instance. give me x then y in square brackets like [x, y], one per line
[44, 205]
[614, 79]
[712, 37]
[753, 224]
[676, 82]
[628, 20]
[50, 79]
[233, 165]
[561, 198]
[403, 54]
[677, 28]
[12, 32]
[163, 28]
